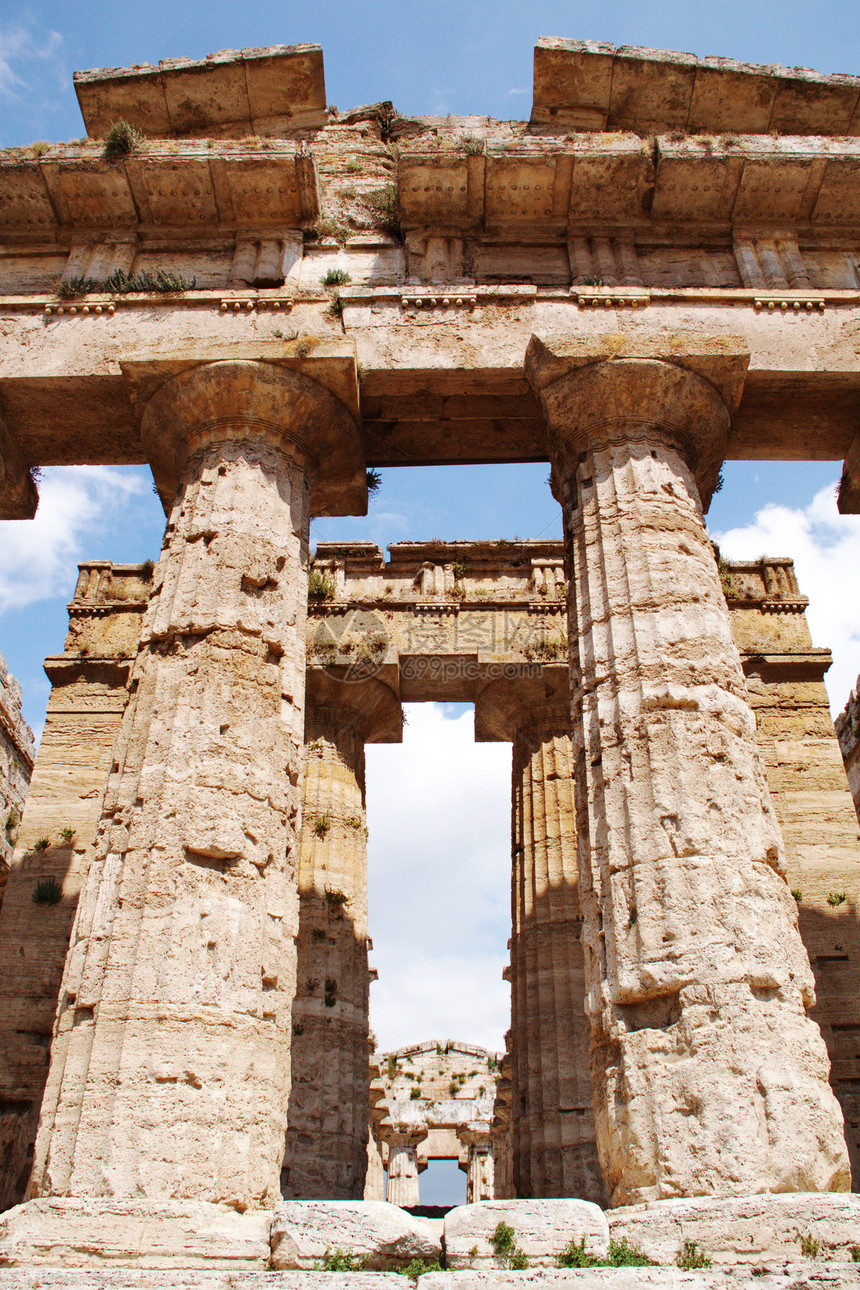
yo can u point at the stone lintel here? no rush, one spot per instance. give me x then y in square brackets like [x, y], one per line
[339, 484]
[18, 496]
[584, 85]
[848, 500]
[231, 93]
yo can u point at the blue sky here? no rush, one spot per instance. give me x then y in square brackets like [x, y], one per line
[435, 57]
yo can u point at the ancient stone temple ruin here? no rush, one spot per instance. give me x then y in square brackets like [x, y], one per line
[262, 299]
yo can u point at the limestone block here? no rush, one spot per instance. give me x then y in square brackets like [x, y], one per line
[744, 1229]
[805, 1276]
[193, 1279]
[542, 1228]
[133, 1233]
[386, 1236]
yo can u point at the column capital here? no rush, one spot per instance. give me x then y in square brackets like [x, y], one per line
[507, 707]
[677, 390]
[369, 705]
[236, 399]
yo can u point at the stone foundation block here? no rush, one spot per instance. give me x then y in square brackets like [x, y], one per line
[744, 1229]
[385, 1236]
[77, 1233]
[542, 1228]
[167, 1279]
[810, 1276]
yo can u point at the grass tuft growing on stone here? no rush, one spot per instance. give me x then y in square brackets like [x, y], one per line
[691, 1257]
[121, 139]
[47, 891]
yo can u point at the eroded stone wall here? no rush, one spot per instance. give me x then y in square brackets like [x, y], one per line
[848, 733]
[17, 753]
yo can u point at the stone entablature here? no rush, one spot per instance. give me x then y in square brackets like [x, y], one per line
[848, 733]
[17, 754]
[434, 1101]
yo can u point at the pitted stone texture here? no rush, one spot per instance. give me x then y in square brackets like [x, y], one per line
[170, 1065]
[542, 1229]
[383, 1234]
[805, 1276]
[42, 1278]
[132, 1233]
[708, 1074]
[743, 1229]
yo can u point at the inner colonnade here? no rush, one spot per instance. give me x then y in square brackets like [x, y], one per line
[187, 1026]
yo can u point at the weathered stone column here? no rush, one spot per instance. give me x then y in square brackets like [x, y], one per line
[327, 1122]
[478, 1141]
[403, 1142]
[554, 1151]
[709, 1077]
[170, 1065]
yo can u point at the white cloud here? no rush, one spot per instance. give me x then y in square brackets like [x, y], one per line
[825, 547]
[76, 504]
[19, 45]
[517, 91]
[439, 864]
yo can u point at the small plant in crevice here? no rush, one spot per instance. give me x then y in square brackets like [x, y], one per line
[147, 569]
[622, 1255]
[415, 1094]
[334, 899]
[835, 898]
[73, 288]
[320, 585]
[318, 934]
[384, 204]
[342, 1261]
[575, 1255]
[416, 1268]
[13, 819]
[337, 305]
[336, 278]
[161, 281]
[471, 146]
[47, 891]
[354, 167]
[320, 825]
[121, 140]
[594, 282]
[67, 833]
[691, 1257]
[41, 844]
[810, 1246]
[374, 481]
[855, 1253]
[330, 995]
[504, 1243]
[797, 894]
[40, 147]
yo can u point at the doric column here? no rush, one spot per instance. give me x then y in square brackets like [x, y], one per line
[554, 1151]
[170, 1067]
[709, 1077]
[403, 1141]
[476, 1137]
[327, 1122]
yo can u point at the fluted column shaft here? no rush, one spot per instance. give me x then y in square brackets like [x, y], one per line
[403, 1186]
[170, 1068]
[552, 1121]
[709, 1078]
[326, 1146]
